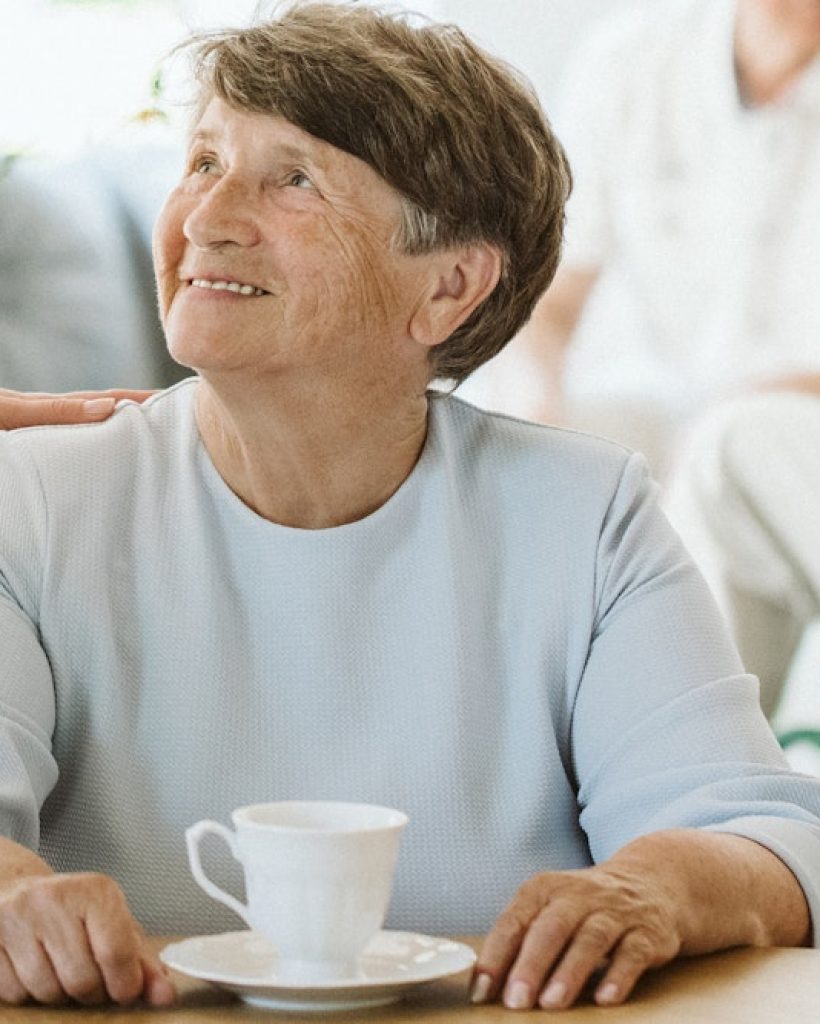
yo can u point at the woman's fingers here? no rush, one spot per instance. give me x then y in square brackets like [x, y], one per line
[158, 989]
[636, 953]
[73, 936]
[73, 961]
[588, 947]
[33, 967]
[117, 947]
[559, 929]
[12, 989]
[547, 937]
[500, 949]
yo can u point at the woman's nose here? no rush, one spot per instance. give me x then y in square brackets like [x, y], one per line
[223, 215]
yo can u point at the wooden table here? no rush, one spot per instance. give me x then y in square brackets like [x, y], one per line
[743, 986]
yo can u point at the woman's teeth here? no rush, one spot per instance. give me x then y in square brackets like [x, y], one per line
[227, 286]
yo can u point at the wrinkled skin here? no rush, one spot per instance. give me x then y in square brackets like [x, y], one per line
[72, 937]
[264, 203]
[560, 927]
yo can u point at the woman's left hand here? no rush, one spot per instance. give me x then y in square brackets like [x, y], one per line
[561, 925]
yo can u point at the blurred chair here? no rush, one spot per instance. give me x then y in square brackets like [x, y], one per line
[77, 296]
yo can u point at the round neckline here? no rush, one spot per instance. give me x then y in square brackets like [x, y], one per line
[229, 499]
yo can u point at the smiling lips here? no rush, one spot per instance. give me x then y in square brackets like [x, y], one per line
[227, 286]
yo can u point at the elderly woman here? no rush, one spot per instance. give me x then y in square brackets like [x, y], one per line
[304, 574]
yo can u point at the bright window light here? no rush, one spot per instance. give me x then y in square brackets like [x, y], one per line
[75, 73]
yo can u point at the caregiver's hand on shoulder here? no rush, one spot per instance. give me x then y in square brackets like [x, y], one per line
[72, 936]
[35, 409]
[559, 928]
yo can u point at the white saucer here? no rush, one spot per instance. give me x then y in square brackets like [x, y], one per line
[391, 964]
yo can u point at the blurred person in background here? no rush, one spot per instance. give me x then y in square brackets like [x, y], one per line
[745, 497]
[692, 250]
[693, 237]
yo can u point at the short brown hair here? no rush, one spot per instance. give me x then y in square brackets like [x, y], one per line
[457, 132]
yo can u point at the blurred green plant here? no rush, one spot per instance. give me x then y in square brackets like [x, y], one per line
[7, 160]
[154, 113]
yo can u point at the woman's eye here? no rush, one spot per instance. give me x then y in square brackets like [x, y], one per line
[204, 164]
[300, 180]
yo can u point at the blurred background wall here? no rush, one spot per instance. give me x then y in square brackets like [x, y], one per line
[75, 72]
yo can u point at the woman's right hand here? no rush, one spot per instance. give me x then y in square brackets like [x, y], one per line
[72, 936]
[36, 409]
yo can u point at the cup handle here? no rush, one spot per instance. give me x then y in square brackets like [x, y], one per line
[193, 837]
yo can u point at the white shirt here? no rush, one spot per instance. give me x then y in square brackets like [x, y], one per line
[514, 649]
[704, 213]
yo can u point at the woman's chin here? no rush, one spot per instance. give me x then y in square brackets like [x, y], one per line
[198, 353]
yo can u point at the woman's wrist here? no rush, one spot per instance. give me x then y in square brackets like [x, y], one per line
[726, 890]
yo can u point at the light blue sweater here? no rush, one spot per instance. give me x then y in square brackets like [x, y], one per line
[514, 649]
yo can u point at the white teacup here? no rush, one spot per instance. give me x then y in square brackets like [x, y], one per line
[318, 877]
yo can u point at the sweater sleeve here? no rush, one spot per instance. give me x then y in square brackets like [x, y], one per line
[28, 771]
[667, 730]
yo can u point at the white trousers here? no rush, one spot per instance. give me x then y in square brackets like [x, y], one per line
[744, 494]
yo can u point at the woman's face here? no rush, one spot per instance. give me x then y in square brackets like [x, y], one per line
[301, 232]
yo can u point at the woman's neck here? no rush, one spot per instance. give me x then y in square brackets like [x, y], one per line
[314, 459]
[774, 43]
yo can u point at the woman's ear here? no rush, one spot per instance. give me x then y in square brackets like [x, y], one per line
[464, 278]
